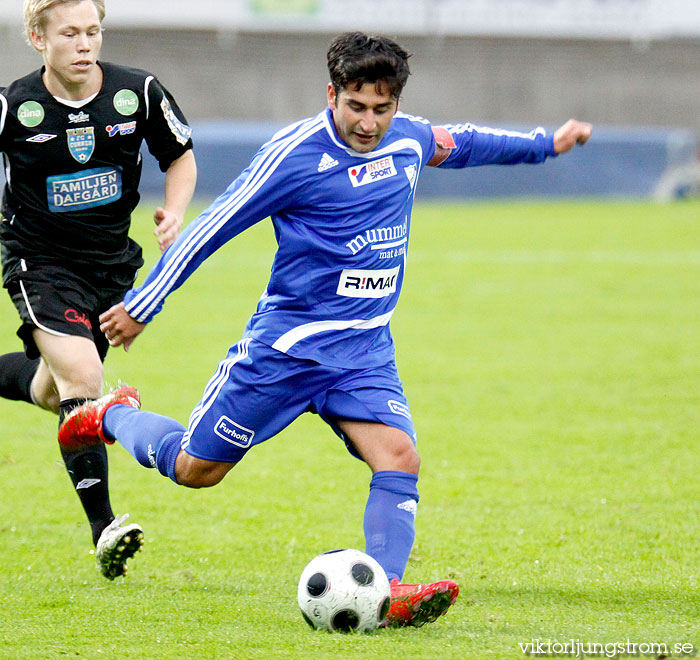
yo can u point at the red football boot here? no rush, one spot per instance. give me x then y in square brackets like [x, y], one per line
[83, 425]
[418, 604]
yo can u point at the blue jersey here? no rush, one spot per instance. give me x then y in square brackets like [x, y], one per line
[342, 221]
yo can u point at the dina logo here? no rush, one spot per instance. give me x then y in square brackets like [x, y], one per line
[30, 114]
[234, 433]
[126, 102]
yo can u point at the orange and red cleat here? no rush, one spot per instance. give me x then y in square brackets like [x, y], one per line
[418, 604]
[83, 425]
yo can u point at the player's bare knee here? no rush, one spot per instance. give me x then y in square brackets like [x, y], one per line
[197, 481]
[408, 459]
[93, 375]
[85, 379]
[43, 389]
[49, 401]
[197, 478]
[402, 455]
[196, 473]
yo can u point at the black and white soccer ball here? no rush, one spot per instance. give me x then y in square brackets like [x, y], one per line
[344, 591]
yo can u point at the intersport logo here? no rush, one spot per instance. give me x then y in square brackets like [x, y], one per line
[376, 170]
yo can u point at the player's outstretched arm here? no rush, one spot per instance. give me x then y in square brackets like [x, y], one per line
[120, 328]
[574, 132]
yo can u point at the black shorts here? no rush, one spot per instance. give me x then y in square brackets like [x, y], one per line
[64, 301]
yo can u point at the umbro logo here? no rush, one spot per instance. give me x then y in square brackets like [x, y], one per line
[326, 163]
[42, 137]
[86, 483]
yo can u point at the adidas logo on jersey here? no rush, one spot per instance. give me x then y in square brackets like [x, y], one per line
[326, 163]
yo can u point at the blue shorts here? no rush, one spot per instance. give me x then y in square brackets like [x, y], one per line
[258, 391]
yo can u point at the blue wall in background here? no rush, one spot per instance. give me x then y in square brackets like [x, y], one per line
[617, 162]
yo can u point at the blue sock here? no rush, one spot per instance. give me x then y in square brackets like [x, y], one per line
[390, 520]
[152, 439]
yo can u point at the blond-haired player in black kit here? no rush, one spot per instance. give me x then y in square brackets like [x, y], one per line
[70, 135]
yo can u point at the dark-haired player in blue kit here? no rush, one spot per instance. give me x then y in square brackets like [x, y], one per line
[339, 188]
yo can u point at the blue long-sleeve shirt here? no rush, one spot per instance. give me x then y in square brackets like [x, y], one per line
[342, 221]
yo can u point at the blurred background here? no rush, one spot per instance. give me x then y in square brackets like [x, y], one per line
[240, 69]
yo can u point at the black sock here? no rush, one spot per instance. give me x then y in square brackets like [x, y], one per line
[87, 468]
[16, 375]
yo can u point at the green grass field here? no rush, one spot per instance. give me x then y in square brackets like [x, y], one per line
[551, 356]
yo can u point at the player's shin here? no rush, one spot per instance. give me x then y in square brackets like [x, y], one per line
[152, 439]
[389, 521]
[88, 470]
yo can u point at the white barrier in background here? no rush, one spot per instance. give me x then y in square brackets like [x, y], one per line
[615, 19]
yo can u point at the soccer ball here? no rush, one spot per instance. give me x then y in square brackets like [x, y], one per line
[345, 591]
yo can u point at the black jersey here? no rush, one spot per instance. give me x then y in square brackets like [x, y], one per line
[73, 173]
